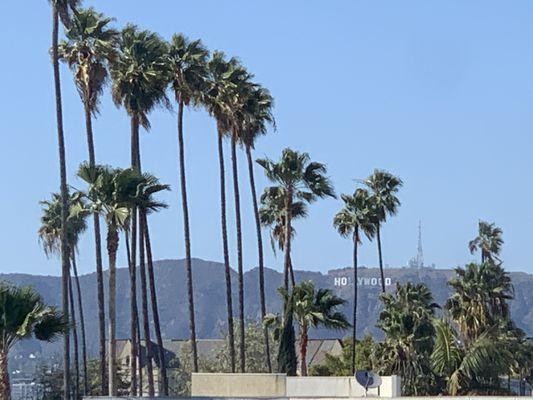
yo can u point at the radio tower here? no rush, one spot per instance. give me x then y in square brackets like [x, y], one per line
[420, 253]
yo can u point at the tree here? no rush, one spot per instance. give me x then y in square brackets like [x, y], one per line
[258, 114]
[24, 315]
[49, 236]
[313, 308]
[221, 75]
[480, 298]
[357, 216]
[287, 361]
[272, 214]
[140, 79]
[61, 8]
[111, 193]
[89, 47]
[188, 66]
[384, 187]
[489, 241]
[406, 321]
[298, 179]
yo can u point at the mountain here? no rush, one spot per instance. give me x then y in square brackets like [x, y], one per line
[211, 303]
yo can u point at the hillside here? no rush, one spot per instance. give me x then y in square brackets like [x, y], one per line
[210, 296]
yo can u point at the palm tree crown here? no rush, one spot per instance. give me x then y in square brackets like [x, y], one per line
[358, 214]
[384, 187]
[489, 241]
[89, 47]
[139, 72]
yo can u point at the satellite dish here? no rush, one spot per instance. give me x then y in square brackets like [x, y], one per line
[368, 379]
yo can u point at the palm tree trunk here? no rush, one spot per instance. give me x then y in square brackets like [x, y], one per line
[5, 388]
[133, 319]
[82, 325]
[64, 198]
[187, 237]
[354, 317]
[259, 255]
[139, 357]
[155, 309]
[112, 247]
[287, 261]
[378, 232]
[144, 303]
[236, 194]
[98, 250]
[75, 347]
[227, 270]
[303, 350]
[291, 271]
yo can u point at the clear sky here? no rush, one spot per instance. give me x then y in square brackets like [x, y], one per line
[438, 92]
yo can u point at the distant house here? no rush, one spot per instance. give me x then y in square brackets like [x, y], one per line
[207, 349]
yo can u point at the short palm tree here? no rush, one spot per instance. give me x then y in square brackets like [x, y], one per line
[489, 241]
[298, 179]
[111, 193]
[188, 68]
[61, 9]
[384, 187]
[147, 187]
[356, 217]
[49, 236]
[313, 308]
[272, 215]
[140, 79]
[89, 47]
[23, 315]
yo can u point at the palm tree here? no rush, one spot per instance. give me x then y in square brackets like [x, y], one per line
[89, 47]
[111, 193]
[272, 215]
[406, 321]
[313, 308]
[61, 8]
[489, 241]
[258, 114]
[384, 187]
[188, 65]
[480, 298]
[49, 235]
[23, 315]
[222, 74]
[148, 186]
[140, 79]
[298, 179]
[356, 217]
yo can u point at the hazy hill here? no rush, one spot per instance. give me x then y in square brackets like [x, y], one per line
[211, 304]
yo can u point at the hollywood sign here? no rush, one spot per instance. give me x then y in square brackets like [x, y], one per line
[345, 281]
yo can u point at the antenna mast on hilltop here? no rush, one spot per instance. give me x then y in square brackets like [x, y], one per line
[420, 253]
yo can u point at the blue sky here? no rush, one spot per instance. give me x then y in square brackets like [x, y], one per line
[439, 93]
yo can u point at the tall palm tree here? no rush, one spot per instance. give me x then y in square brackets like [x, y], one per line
[89, 47]
[221, 74]
[50, 238]
[61, 9]
[489, 241]
[23, 315]
[258, 115]
[312, 308]
[188, 66]
[111, 193]
[298, 179]
[384, 187]
[356, 217]
[140, 79]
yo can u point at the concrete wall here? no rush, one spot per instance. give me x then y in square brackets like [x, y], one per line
[279, 385]
[238, 385]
